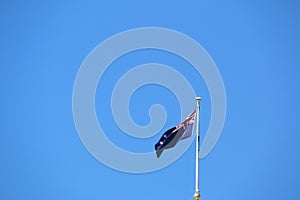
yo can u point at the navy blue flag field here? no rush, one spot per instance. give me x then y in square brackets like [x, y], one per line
[171, 137]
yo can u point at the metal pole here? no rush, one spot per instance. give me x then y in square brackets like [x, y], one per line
[197, 193]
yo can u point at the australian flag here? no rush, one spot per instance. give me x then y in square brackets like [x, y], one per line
[171, 137]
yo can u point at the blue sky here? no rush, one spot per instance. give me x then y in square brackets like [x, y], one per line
[255, 45]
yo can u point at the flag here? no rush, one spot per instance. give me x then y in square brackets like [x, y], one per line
[171, 137]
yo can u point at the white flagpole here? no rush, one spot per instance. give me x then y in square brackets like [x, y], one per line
[197, 193]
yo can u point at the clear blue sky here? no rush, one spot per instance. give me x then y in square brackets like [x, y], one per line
[255, 45]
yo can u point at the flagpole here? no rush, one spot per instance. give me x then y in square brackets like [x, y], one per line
[197, 193]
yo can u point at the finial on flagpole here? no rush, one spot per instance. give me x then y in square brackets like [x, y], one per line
[198, 98]
[196, 195]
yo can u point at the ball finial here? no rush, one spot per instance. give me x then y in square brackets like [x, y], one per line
[196, 196]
